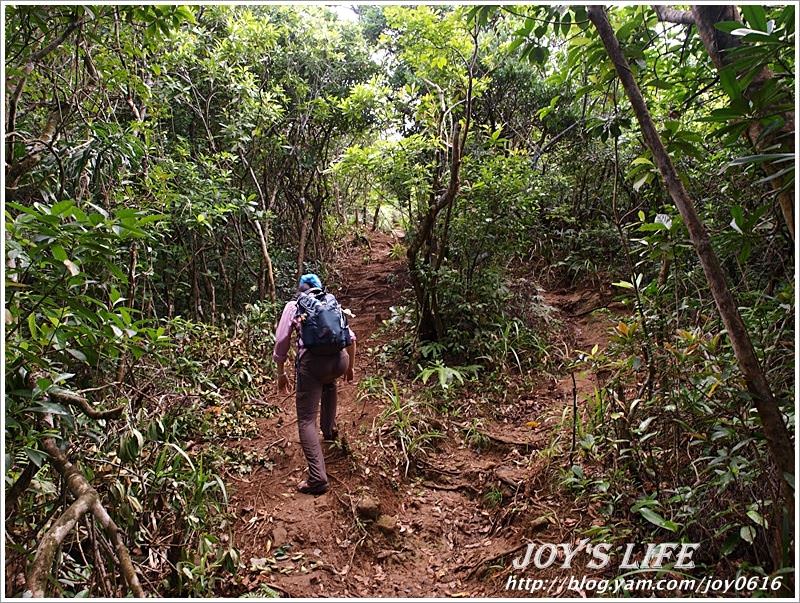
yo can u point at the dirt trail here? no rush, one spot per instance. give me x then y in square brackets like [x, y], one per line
[439, 536]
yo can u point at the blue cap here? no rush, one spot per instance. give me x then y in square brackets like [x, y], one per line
[310, 279]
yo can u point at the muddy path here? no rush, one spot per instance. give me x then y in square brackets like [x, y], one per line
[451, 527]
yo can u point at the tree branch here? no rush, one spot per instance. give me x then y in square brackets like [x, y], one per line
[51, 541]
[29, 65]
[74, 399]
[671, 15]
[22, 483]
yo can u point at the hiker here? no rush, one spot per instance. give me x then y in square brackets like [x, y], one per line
[326, 350]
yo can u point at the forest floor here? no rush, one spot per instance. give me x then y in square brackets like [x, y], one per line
[437, 534]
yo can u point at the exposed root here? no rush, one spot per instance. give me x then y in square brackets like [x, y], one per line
[89, 501]
[83, 404]
[537, 524]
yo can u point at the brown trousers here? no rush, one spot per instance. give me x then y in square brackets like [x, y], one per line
[316, 382]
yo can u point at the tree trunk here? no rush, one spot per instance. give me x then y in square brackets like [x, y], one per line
[210, 288]
[197, 304]
[301, 246]
[266, 260]
[778, 438]
[430, 325]
[262, 232]
[375, 217]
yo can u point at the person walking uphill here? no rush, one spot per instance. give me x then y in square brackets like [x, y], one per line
[326, 351]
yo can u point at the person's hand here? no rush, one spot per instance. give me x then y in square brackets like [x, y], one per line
[283, 384]
[349, 375]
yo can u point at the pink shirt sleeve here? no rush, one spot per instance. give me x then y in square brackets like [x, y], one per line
[283, 336]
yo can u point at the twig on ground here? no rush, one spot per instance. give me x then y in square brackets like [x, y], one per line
[451, 487]
[574, 415]
[535, 525]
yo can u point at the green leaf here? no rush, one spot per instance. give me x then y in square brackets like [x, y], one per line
[50, 407]
[62, 206]
[730, 543]
[183, 454]
[642, 181]
[748, 534]
[626, 29]
[566, 24]
[745, 251]
[59, 253]
[516, 43]
[738, 218]
[755, 16]
[37, 457]
[727, 78]
[723, 115]
[222, 488]
[139, 437]
[661, 84]
[757, 518]
[539, 55]
[776, 175]
[653, 227]
[657, 520]
[32, 325]
[727, 26]
[758, 159]
[77, 354]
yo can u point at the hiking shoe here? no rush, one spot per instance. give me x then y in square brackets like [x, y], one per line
[332, 438]
[305, 488]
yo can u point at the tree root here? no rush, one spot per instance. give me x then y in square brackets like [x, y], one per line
[509, 442]
[537, 524]
[87, 500]
[451, 487]
[39, 571]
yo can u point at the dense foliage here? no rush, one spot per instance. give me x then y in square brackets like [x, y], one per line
[170, 170]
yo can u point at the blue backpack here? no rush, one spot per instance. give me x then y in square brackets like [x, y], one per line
[323, 324]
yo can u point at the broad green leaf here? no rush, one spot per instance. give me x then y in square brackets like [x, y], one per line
[657, 519]
[755, 16]
[59, 253]
[727, 79]
[727, 26]
[757, 518]
[653, 227]
[748, 534]
[51, 408]
[37, 457]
